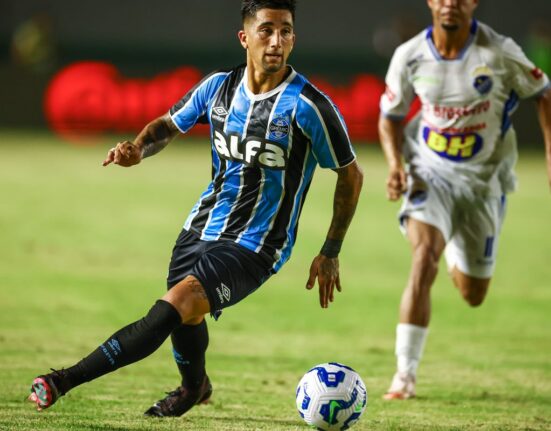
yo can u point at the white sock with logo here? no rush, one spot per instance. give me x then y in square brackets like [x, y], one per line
[410, 343]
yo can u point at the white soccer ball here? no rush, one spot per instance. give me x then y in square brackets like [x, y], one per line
[331, 397]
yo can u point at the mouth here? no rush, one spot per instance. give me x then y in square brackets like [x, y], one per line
[450, 15]
[274, 56]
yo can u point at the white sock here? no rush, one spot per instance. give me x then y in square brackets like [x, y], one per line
[410, 342]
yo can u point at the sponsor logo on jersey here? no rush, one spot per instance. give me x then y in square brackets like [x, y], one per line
[224, 293]
[483, 81]
[455, 112]
[251, 151]
[279, 127]
[219, 113]
[453, 147]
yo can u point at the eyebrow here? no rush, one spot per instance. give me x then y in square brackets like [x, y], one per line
[285, 23]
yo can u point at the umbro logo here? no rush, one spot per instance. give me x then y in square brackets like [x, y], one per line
[224, 293]
[219, 113]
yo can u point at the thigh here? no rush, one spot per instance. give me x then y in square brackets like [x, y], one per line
[229, 272]
[475, 240]
[186, 252]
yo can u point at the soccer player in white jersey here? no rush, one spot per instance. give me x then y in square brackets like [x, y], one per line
[459, 154]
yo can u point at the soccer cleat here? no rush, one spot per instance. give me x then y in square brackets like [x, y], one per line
[179, 401]
[45, 390]
[401, 388]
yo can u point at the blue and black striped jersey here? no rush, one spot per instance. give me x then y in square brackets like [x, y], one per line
[265, 148]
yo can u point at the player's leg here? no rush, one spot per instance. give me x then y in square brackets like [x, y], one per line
[426, 220]
[473, 289]
[427, 245]
[471, 252]
[130, 344]
[189, 340]
[229, 273]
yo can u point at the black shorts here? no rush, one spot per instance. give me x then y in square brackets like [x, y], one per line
[228, 271]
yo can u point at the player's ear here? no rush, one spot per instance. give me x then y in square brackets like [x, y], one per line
[242, 38]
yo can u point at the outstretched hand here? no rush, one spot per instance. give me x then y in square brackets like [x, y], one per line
[326, 270]
[124, 154]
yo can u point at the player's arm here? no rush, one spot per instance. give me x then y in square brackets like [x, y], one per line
[544, 115]
[391, 135]
[326, 265]
[153, 138]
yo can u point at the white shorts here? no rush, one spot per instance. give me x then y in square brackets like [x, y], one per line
[470, 227]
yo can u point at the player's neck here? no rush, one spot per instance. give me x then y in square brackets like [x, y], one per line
[259, 82]
[449, 44]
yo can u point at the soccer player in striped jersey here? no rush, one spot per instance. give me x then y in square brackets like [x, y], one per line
[269, 129]
[460, 153]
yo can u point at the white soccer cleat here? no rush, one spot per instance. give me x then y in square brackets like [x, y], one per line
[401, 388]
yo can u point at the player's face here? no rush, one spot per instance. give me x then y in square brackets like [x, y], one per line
[451, 15]
[268, 38]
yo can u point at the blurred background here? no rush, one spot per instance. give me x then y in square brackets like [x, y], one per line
[108, 66]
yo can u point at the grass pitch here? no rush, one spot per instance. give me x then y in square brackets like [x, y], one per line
[85, 251]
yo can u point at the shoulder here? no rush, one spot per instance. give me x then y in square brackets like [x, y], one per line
[311, 97]
[489, 38]
[223, 73]
[411, 48]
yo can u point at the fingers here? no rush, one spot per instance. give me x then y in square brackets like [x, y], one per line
[396, 185]
[124, 154]
[312, 277]
[110, 157]
[326, 290]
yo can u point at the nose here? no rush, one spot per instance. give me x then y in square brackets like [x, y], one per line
[275, 40]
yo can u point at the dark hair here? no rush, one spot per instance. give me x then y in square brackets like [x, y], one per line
[249, 8]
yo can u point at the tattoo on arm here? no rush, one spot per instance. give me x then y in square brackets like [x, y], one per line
[347, 193]
[156, 136]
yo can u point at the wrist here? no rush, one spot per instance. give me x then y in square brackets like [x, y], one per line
[331, 248]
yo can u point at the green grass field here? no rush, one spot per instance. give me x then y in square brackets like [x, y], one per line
[85, 251]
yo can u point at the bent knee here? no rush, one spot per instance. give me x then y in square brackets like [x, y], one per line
[472, 289]
[190, 299]
[474, 299]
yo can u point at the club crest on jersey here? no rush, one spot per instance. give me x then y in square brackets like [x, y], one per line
[455, 147]
[483, 81]
[279, 127]
[251, 151]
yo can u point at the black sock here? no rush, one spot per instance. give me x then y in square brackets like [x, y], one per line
[189, 344]
[128, 345]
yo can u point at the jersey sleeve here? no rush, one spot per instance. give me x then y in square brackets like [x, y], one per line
[399, 92]
[320, 120]
[192, 108]
[524, 77]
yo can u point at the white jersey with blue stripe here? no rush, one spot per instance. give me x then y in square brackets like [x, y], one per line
[265, 148]
[463, 132]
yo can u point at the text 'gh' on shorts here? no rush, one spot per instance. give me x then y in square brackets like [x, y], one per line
[228, 271]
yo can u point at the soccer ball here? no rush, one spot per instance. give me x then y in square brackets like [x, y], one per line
[331, 397]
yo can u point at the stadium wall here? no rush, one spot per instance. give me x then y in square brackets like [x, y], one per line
[336, 46]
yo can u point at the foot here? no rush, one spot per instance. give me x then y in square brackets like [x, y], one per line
[46, 390]
[401, 388]
[179, 401]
